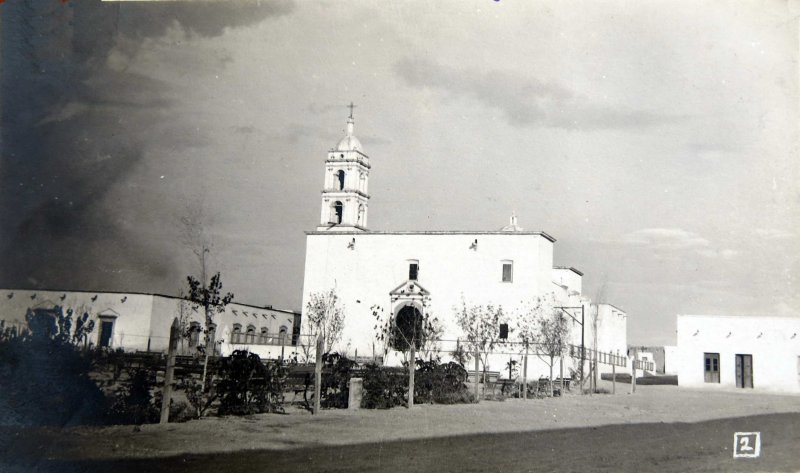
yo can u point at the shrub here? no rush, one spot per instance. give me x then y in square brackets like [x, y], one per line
[198, 398]
[45, 376]
[248, 386]
[336, 373]
[384, 387]
[133, 401]
[440, 383]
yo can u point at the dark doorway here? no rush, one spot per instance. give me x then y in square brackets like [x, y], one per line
[711, 367]
[106, 331]
[407, 329]
[744, 371]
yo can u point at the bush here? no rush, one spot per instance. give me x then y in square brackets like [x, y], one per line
[248, 386]
[439, 383]
[198, 398]
[133, 401]
[336, 373]
[45, 376]
[384, 387]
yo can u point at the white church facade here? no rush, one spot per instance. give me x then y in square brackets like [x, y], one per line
[436, 271]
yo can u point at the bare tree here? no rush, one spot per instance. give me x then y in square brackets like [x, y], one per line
[551, 339]
[324, 317]
[481, 327]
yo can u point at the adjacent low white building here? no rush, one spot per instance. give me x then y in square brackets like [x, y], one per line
[719, 351]
[141, 322]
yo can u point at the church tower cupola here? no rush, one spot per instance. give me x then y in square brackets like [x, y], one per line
[345, 195]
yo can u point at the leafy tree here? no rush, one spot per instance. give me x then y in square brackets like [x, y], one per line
[408, 332]
[209, 297]
[481, 327]
[324, 317]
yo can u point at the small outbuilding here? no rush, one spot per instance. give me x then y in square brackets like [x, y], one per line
[747, 352]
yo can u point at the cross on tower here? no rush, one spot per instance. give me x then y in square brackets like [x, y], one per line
[351, 107]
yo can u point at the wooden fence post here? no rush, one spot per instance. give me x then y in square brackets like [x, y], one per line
[318, 374]
[614, 377]
[166, 393]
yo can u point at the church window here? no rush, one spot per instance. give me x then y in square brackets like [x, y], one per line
[264, 336]
[340, 179]
[337, 211]
[508, 271]
[361, 214]
[212, 333]
[236, 334]
[250, 336]
[194, 334]
[282, 334]
[413, 269]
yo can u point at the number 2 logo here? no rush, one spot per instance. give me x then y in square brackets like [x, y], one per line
[746, 444]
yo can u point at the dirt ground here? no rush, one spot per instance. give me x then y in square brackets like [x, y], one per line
[651, 409]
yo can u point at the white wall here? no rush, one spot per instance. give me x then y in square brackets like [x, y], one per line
[144, 320]
[378, 263]
[670, 359]
[773, 342]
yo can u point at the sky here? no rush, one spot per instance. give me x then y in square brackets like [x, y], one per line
[656, 141]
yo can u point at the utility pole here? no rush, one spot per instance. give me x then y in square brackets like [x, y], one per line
[633, 378]
[583, 335]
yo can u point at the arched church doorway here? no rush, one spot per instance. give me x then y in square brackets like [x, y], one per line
[407, 329]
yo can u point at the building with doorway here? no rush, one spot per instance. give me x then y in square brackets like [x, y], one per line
[141, 322]
[720, 351]
[407, 273]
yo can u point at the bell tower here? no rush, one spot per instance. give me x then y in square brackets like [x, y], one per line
[345, 195]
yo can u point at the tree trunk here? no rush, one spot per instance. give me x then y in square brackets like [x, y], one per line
[209, 345]
[318, 375]
[477, 368]
[551, 375]
[412, 365]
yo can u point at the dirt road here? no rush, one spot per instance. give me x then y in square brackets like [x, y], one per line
[660, 428]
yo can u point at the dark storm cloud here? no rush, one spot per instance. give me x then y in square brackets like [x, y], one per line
[73, 129]
[525, 101]
[204, 18]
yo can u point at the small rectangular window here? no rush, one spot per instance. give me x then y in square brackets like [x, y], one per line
[508, 271]
[413, 270]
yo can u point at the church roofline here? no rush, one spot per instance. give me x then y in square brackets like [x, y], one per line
[570, 268]
[434, 232]
[135, 293]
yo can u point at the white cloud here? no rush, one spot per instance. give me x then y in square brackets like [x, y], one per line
[774, 234]
[670, 239]
[673, 240]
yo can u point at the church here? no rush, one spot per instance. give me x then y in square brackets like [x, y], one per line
[436, 272]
